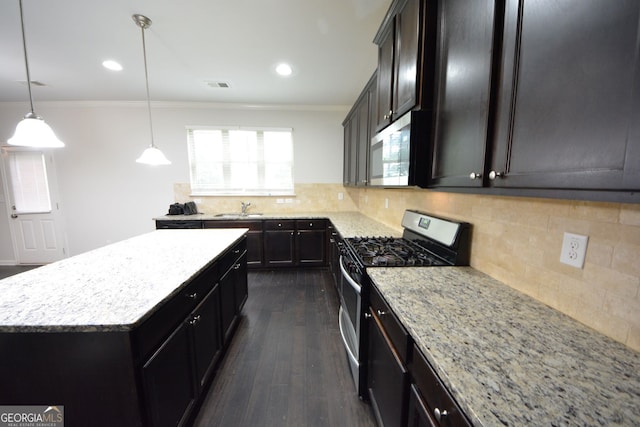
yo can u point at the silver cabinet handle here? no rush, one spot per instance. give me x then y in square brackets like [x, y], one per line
[236, 267]
[193, 295]
[474, 175]
[381, 313]
[194, 320]
[367, 316]
[493, 175]
[440, 414]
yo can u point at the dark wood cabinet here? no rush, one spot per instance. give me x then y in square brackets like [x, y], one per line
[295, 242]
[358, 129]
[387, 375]
[530, 102]
[418, 413]
[311, 242]
[204, 324]
[233, 290]
[168, 378]
[279, 242]
[568, 105]
[432, 397]
[255, 237]
[405, 60]
[467, 36]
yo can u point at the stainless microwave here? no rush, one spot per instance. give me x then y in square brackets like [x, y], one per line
[399, 152]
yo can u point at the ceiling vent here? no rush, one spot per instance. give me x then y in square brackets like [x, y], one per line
[218, 84]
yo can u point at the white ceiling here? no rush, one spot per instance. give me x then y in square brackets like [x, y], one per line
[327, 42]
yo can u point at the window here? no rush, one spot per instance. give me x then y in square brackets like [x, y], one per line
[28, 180]
[239, 161]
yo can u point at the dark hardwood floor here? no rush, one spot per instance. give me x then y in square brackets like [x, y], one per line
[10, 270]
[286, 365]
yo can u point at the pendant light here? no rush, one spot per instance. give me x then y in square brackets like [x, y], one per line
[152, 155]
[32, 131]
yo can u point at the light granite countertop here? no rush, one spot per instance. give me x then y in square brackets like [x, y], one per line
[111, 288]
[349, 224]
[508, 359]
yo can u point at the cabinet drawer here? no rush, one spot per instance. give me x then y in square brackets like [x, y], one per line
[231, 256]
[311, 224]
[433, 392]
[284, 224]
[396, 332]
[250, 224]
[172, 312]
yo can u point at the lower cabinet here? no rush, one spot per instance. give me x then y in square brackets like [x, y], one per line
[387, 375]
[175, 375]
[301, 242]
[403, 387]
[431, 398]
[169, 381]
[311, 242]
[255, 240]
[279, 242]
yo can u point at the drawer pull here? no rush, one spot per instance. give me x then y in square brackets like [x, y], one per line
[237, 251]
[194, 320]
[193, 295]
[367, 316]
[236, 267]
[440, 414]
[381, 313]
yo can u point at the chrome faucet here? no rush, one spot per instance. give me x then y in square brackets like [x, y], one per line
[244, 207]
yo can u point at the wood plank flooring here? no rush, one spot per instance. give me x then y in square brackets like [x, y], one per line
[286, 365]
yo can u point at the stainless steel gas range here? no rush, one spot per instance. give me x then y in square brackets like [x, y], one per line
[427, 241]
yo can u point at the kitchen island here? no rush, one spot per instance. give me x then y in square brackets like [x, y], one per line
[124, 335]
[507, 359]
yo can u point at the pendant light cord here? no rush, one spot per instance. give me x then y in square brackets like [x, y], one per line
[146, 79]
[26, 61]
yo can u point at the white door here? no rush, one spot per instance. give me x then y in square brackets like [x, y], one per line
[34, 210]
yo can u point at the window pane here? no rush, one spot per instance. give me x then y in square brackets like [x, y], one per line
[29, 183]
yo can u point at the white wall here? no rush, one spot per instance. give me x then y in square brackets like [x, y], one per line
[107, 197]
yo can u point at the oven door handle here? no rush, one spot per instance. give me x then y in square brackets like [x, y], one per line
[348, 278]
[353, 358]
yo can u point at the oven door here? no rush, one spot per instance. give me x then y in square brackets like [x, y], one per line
[349, 320]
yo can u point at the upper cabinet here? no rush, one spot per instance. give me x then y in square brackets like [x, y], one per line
[466, 40]
[538, 97]
[358, 130]
[404, 52]
[568, 104]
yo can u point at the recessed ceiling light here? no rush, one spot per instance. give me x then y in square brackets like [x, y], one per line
[283, 69]
[112, 65]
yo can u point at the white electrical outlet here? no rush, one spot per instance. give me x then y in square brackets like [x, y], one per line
[340, 195]
[574, 249]
[386, 203]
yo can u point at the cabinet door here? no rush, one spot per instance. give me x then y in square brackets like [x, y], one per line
[241, 282]
[385, 78]
[463, 87]
[387, 378]
[255, 248]
[206, 331]
[228, 306]
[168, 381]
[311, 247]
[363, 141]
[406, 58]
[569, 102]
[278, 246]
[418, 413]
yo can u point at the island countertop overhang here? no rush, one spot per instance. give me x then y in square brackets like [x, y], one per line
[113, 288]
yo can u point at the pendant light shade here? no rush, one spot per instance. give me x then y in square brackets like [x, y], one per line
[152, 155]
[32, 131]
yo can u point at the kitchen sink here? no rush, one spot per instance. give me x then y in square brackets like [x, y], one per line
[237, 215]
